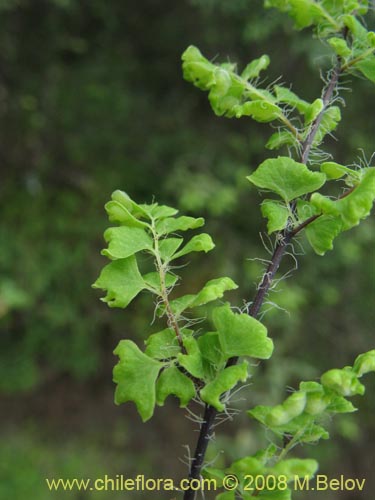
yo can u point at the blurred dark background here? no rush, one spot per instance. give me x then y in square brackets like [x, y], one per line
[92, 100]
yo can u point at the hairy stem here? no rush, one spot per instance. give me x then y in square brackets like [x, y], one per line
[284, 238]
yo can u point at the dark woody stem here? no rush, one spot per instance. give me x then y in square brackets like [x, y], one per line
[283, 241]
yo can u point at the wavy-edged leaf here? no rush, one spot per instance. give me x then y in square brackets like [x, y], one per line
[340, 46]
[153, 280]
[279, 139]
[192, 361]
[313, 111]
[322, 231]
[303, 12]
[261, 111]
[330, 120]
[120, 214]
[241, 335]
[352, 208]
[121, 280]
[296, 467]
[367, 67]
[335, 171]
[343, 381]
[162, 345]
[160, 211]
[183, 223]
[135, 375]
[125, 241]
[254, 68]
[200, 243]
[364, 363]
[224, 381]
[172, 381]
[276, 213]
[212, 290]
[168, 248]
[210, 348]
[286, 177]
[288, 97]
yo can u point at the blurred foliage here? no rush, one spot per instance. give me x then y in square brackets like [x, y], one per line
[92, 100]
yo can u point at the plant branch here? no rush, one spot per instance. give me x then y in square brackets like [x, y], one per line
[283, 241]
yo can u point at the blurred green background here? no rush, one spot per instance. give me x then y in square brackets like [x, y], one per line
[92, 100]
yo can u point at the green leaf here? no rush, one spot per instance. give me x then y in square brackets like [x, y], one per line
[344, 382]
[288, 97]
[210, 348]
[303, 12]
[340, 46]
[200, 243]
[292, 407]
[261, 111]
[192, 361]
[172, 381]
[276, 213]
[286, 177]
[279, 139]
[125, 241]
[169, 247]
[364, 363]
[367, 68]
[118, 213]
[135, 375]
[161, 211]
[224, 381]
[254, 68]
[329, 122]
[313, 111]
[162, 345]
[171, 224]
[212, 290]
[321, 233]
[295, 467]
[336, 171]
[153, 280]
[353, 207]
[121, 280]
[241, 335]
[131, 206]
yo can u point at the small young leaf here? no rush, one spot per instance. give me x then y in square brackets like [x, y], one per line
[254, 68]
[261, 111]
[121, 280]
[329, 122]
[344, 382]
[209, 346]
[224, 381]
[367, 68]
[171, 224]
[125, 241]
[336, 171]
[119, 214]
[313, 111]
[286, 177]
[295, 467]
[153, 280]
[287, 96]
[192, 361]
[279, 139]
[276, 213]
[162, 345]
[135, 375]
[212, 290]
[353, 207]
[364, 363]
[340, 46]
[172, 381]
[169, 247]
[241, 335]
[200, 243]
